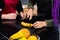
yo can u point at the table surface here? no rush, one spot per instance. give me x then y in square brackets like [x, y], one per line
[10, 27]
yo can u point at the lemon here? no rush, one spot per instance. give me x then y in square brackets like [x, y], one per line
[32, 37]
[21, 33]
[17, 35]
[22, 39]
[26, 32]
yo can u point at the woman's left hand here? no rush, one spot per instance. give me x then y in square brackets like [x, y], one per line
[39, 24]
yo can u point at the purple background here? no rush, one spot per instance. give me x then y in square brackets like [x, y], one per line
[55, 11]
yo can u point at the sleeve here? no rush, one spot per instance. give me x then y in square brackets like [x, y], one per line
[49, 23]
[44, 10]
[1, 4]
[19, 7]
[31, 3]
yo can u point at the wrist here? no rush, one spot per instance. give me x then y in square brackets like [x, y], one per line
[44, 23]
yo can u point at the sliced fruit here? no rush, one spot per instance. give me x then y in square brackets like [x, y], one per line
[26, 24]
[32, 37]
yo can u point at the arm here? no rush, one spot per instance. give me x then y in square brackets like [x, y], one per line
[30, 6]
[45, 10]
[1, 3]
[49, 23]
[46, 23]
[20, 12]
[19, 7]
[1, 7]
[31, 3]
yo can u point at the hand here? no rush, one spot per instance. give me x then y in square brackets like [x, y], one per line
[39, 24]
[23, 15]
[30, 14]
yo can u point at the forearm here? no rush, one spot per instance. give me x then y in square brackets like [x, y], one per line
[31, 3]
[1, 3]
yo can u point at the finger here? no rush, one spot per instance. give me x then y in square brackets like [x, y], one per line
[21, 14]
[27, 15]
[30, 17]
[17, 13]
[38, 26]
[35, 24]
[24, 16]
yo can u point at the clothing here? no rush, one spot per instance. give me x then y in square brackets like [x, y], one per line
[10, 6]
[1, 4]
[44, 10]
[1, 7]
[59, 30]
[45, 35]
[5, 27]
[45, 14]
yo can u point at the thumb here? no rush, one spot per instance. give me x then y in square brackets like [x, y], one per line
[17, 13]
[21, 14]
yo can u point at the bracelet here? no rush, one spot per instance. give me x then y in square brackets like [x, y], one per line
[0, 9]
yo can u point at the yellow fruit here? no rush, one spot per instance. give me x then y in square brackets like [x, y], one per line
[31, 25]
[10, 39]
[21, 33]
[22, 39]
[26, 32]
[23, 23]
[26, 24]
[17, 35]
[32, 37]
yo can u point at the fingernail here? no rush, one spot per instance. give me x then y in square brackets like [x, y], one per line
[29, 19]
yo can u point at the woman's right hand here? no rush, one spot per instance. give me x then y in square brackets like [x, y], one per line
[23, 15]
